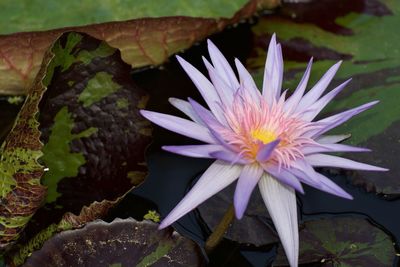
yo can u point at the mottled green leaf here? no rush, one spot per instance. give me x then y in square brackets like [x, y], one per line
[142, 42]
[342, 242]
[365, 37]
[254, 228]
[92, 149]
[120, 243]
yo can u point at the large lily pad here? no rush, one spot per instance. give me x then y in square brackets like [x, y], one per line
[142, 42]
[255, 226]
[81, 119]
[343, 242]
[364, 34]
[120, 243]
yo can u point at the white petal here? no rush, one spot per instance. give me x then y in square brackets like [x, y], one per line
[322, 160]
[218, 176]
[280, 201]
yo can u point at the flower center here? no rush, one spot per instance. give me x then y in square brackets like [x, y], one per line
[263, 135]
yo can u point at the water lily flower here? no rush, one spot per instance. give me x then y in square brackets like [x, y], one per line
[265, 138]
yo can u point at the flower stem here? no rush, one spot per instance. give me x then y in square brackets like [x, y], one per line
[216, 236]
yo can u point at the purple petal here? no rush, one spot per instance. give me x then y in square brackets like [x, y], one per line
[309, 176]
[225, 93]
[247, 81]
[318, 88]
[218, 176]
[186, 108]
[335, 120]
[280, 201]
[285, 177]
[273, 72]
[322, 160]
[312, 111]
[222, 66]
[266, 149]
[293, 101]
[204, 86]
[195, 151]
[228, 156]
[206, 116]
[321, 148]
[179, 125]
[332, 139]
[248, 180]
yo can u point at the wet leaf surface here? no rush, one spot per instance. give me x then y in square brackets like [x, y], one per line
[364, 35]
[22, 16]
[342, 241]
[142, 42]
[120, 243]
[255, 226]
[92, 144]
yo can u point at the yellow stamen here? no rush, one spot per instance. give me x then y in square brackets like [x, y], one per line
[263, 135]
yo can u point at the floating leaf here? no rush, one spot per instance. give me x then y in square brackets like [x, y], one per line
[254, 228]
[93, 147]
[142, 42]
[342, 242]
[364, 34]
[120, 243]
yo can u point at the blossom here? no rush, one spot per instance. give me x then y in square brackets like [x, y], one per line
[265, 138]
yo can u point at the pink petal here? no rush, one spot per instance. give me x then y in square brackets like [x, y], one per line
[179, 125]
[195, 151]
[280, 201]
[322, 160]
[247, 182]
[218, 176]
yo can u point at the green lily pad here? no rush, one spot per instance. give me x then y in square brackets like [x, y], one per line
[342, 242]
[142, 42]
[255, 226]
[120, 243]
[72, 139]
[364, 35]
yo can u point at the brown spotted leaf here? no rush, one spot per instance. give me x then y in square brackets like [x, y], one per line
[120, 243]
[142, 42]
